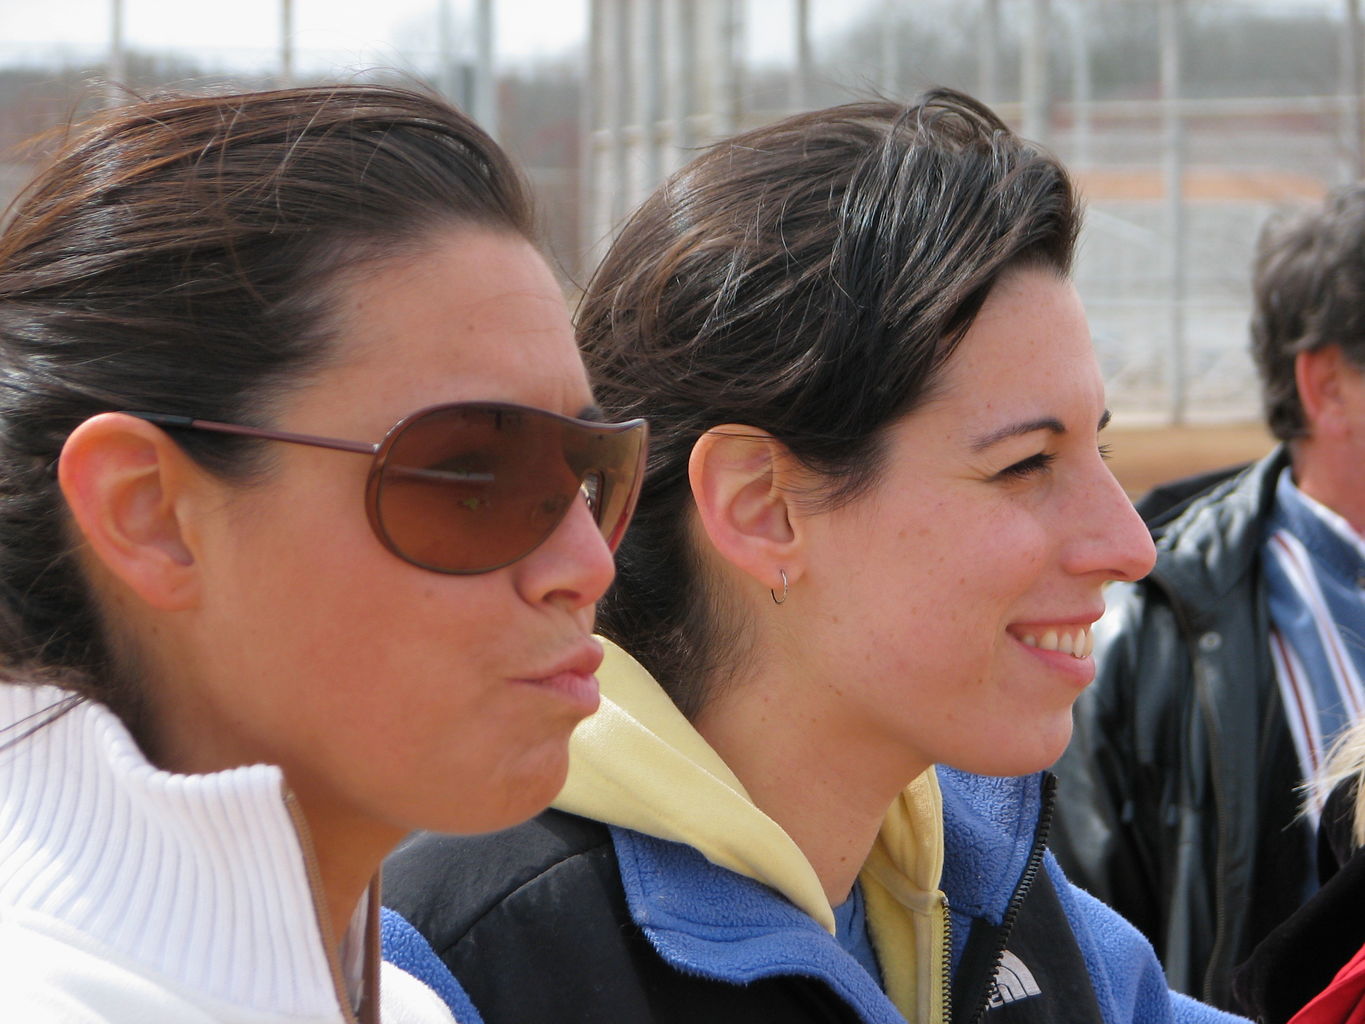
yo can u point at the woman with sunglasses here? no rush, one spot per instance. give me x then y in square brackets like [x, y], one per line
[850, 618]
[304, 509]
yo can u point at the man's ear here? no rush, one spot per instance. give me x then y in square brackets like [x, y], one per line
[1317, 376]
[742, 482]
[123, 480]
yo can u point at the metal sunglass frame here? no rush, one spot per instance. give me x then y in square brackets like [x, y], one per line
[379, 466]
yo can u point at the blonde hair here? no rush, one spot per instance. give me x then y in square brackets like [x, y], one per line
[1345, 760]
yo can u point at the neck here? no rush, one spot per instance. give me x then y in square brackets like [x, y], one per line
[344, 857]
[1332, 477]
[828, 790]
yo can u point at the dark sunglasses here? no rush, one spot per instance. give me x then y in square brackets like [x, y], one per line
[473, 486]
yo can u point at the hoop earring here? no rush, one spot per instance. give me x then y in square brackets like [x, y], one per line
[783, 574]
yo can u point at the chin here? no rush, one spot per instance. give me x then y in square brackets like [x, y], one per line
[1017, 758]
[517, 799]
[1005, 767]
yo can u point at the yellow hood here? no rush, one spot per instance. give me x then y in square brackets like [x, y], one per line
[638, 763]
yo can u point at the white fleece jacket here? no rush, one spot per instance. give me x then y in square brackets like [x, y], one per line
[129, 895]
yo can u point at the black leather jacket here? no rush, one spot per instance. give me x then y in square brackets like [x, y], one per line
[1178, 790]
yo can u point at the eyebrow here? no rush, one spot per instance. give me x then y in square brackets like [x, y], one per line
[1049, 423]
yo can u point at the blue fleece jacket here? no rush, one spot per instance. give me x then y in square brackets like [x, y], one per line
[707, 920]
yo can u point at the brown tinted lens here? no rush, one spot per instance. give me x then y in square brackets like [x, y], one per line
[609, 460]
[467, 489]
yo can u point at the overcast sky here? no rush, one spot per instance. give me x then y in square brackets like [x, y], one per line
[348, 31]
[363, 28]
[359, 33]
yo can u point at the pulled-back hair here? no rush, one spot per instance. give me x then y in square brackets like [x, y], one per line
[810, 278]
[1308, 290]
[178, 255]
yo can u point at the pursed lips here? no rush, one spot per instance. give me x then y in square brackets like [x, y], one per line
[584, 661]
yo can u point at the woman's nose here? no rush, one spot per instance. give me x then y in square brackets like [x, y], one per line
[574, 566]
[1111, 538]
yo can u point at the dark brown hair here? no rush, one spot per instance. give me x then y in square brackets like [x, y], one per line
[1308, 291]
[810, 278]
[178, 255]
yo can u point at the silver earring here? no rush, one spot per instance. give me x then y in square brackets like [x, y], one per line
[776, 599]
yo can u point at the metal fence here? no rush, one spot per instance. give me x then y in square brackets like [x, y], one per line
[1188, 122]
[1182, 158]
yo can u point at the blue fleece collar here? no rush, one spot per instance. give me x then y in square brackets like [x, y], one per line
[712, 922]
[988, 825]
[405, 948]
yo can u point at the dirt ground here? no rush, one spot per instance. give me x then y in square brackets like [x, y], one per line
[1145, 456]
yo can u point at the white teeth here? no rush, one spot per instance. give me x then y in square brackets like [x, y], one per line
[1079, 644]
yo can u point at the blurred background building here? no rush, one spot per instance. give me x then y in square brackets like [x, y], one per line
[1187, 121]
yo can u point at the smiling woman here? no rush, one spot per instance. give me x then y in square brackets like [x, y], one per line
[851, 617]
[304, 510]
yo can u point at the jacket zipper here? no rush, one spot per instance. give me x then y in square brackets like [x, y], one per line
[310, 864]
[1021, 890]
[946, 964]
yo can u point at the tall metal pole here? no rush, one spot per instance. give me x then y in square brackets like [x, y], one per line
[286, 42]
[1080, 85]
[651, 66]
[683, 96]
[594, 138]
[1352, 131]
[485, 105]
[116, 74]
[1033, 73]
[801, 65]
[445, 49]
[988, 53]
[728, 40]
[618, 111]
[891, 62]
[1173, 159]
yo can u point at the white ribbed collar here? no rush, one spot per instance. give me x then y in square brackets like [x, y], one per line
[199, 878]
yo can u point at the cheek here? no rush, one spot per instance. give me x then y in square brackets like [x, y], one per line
[414, 649]
[975, 558]
[958, 591]
[1007, 547]
[361, 640]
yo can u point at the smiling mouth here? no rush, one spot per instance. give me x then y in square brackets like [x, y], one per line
[1076, 641]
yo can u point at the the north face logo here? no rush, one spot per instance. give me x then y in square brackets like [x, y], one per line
[1013, 981]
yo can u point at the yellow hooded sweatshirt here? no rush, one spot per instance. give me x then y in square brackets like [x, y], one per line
[639, 764]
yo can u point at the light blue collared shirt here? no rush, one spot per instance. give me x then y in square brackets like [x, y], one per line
[1315, 583]
[850, 923]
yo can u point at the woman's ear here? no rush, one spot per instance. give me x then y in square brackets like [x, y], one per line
[742, 482]
[124, 481]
